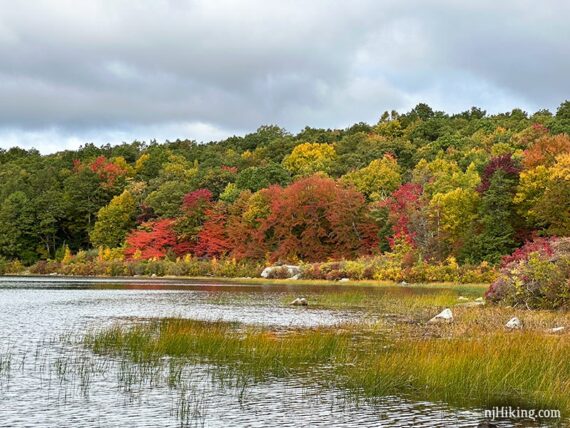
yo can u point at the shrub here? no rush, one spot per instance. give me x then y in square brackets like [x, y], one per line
[535, 277]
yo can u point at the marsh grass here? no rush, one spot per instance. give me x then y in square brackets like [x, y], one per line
[485, 367]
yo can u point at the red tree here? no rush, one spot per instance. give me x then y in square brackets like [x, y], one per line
[212, 238]
[312, 219]
[154, 239]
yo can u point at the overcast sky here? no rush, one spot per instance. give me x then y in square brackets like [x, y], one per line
[115, 70]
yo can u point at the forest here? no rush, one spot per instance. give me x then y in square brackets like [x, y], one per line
[469, 187]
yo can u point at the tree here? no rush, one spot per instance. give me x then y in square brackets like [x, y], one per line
[309, 158]
[114, 221]
[543, 196]
[313, 219]
[496, 230]
[16, 228]
[545, 150]
[378, 180]
[256, 178]
[454, 214]
[154, 240]
[212, 238]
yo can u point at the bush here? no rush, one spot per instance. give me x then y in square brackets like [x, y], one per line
[537, 276]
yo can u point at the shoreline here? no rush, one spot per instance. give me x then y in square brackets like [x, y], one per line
[211, 280]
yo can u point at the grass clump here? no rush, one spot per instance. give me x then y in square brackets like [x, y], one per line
[460, 364]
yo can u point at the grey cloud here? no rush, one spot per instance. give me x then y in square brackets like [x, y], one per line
[108, 68]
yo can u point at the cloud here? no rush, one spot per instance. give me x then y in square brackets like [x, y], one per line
[105, 70]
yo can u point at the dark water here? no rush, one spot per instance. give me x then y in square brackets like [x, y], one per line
[45, 382]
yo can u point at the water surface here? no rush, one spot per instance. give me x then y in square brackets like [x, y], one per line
[48, 382]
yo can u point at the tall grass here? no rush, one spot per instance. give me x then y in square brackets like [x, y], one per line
[527, 369]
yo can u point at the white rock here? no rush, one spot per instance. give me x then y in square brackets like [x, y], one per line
[344, 280]
[556, 330]
[299, 301]
[463, 299]
[290, 269]
[298, 276]
[153, 275]
[479, 299]
[403, 283]
[514, 323]
[445, 315]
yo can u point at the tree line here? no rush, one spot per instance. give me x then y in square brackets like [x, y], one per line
[471, 186]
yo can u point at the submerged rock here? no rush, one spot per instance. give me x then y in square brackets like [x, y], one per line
[514, 323]
[444, 316]
[284, 271]
[299, 301]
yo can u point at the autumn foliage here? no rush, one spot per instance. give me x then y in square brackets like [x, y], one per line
[154, 240]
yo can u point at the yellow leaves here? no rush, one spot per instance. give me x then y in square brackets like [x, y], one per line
[139, 164]
[67, 256]
[309, 158]
[543, 195]
[455, 210]
[380, 178]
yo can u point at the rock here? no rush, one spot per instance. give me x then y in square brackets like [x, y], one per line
[462, 299]
[556, 330]
[298, 276]
[284, 271]
[153, 275]
[514, 323]
[479, 299]
[403, 283]
[444, 316]
[344, 280]
[299, 301]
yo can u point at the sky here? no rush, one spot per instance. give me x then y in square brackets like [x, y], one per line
[108, 71]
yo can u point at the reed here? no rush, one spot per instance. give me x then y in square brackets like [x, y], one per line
[464, 364]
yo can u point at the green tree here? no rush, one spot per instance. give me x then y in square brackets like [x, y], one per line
[114, 221]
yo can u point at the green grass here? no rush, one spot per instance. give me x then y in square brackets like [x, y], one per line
[471, 362]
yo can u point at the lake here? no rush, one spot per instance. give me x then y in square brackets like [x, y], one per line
[48, 379]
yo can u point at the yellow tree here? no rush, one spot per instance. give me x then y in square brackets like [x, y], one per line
[543, 196]
[309, 158]
[379, 179]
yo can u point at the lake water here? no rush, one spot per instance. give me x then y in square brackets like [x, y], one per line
[47, 382]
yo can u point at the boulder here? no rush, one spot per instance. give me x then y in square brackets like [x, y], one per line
[299, 301]
[444, 316]
[514, 323]
[283, 271]
[344, 279]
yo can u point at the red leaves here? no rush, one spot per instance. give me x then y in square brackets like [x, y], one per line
[540, 245]
[504, 163]
[312, 219]
[154, 240]
[212, 239]
[402, 206]
[197, 199]
[107, 171]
